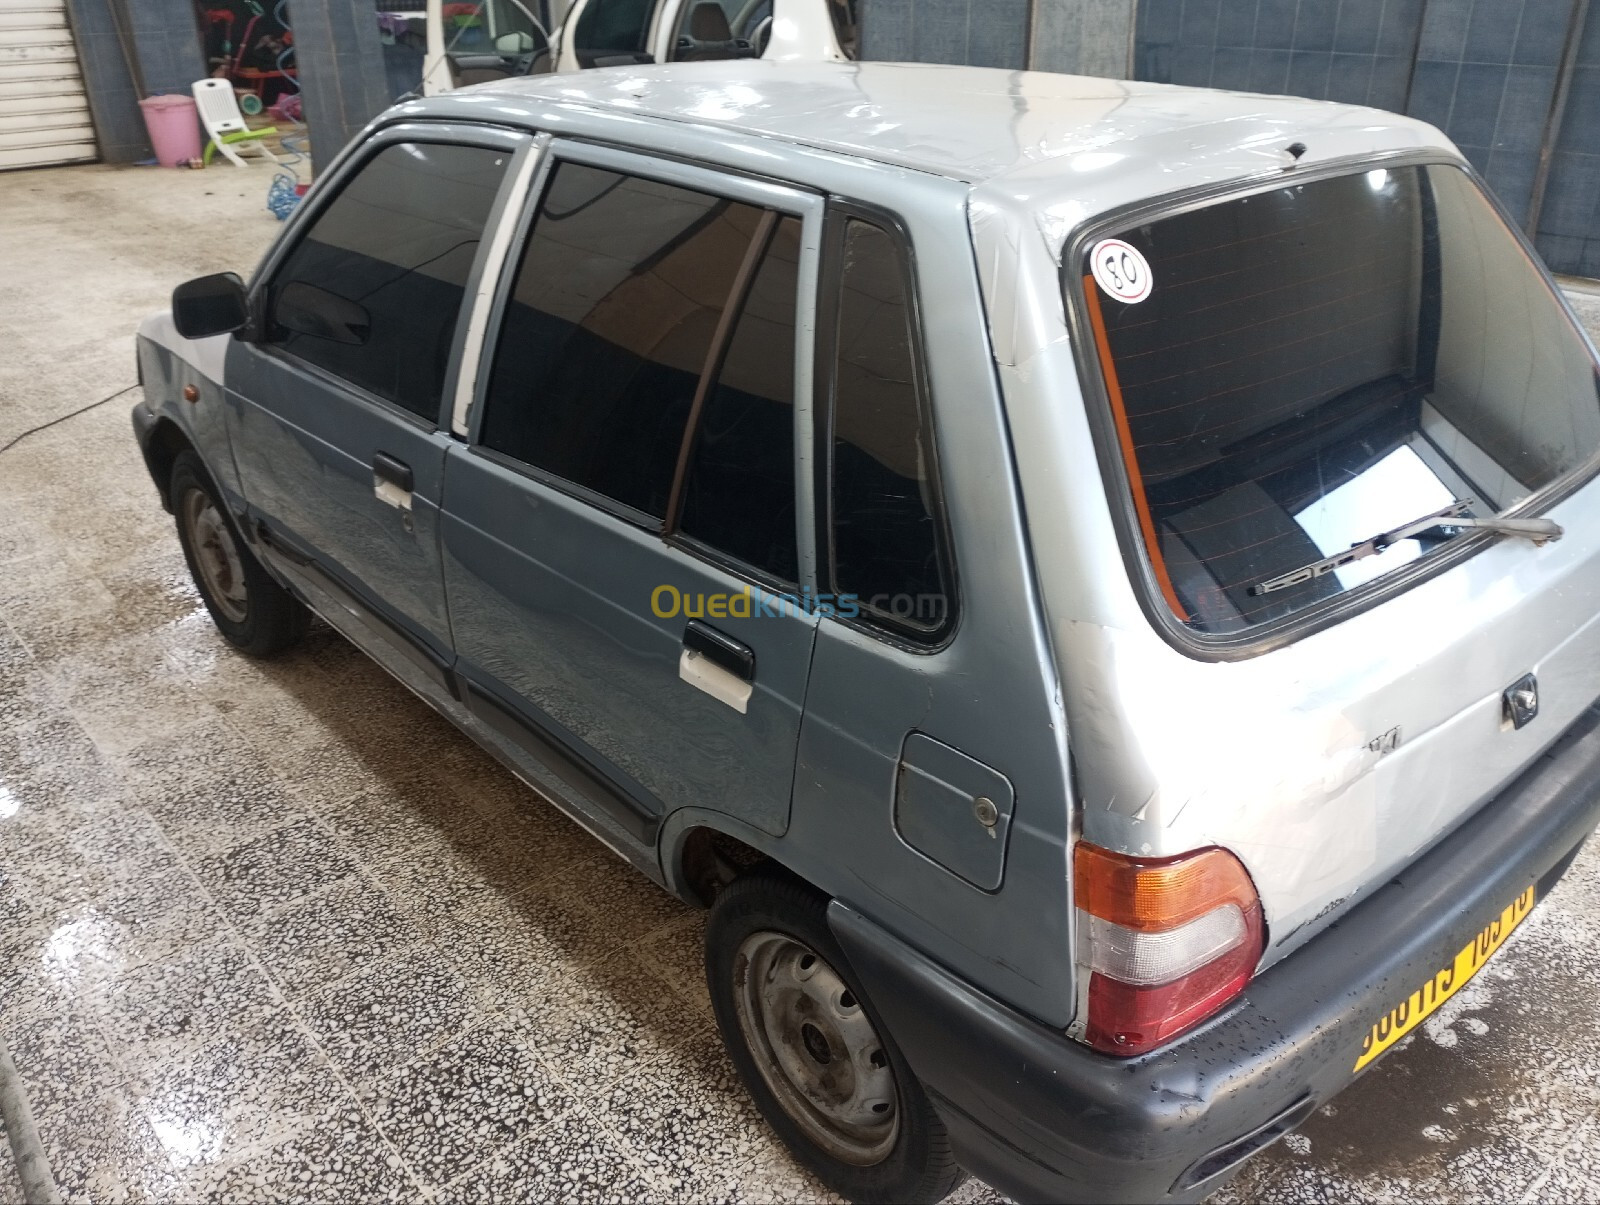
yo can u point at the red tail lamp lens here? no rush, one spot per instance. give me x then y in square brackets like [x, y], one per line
[1167, 942]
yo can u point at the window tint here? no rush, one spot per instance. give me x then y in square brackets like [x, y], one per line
[1322, 363]
[614, 25]
[607, 331]
[739, 496]
[885, 536]
[372, 291]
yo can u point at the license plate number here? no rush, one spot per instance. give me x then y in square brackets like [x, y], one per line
[1411, 1012]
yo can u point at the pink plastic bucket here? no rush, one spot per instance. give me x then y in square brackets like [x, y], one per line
[174, 128]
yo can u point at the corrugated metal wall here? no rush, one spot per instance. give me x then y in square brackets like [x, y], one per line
[160, 37]
[1569, 221]
[980, 33]
[44, 113]
[1486, 72]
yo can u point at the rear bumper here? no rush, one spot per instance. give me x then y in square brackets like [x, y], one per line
[1042, 1117]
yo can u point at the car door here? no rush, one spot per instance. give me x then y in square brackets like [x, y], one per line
[335, 403]
[629, 560]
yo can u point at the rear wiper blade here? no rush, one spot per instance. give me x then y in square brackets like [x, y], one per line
[1540, 531]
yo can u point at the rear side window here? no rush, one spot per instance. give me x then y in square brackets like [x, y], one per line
[373, 290]
[739, 494]
[886, 546]
[1318, 365]
[613, 312]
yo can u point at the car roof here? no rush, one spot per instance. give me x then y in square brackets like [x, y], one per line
[972, 124]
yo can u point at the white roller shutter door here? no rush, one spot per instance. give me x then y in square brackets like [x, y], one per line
[44, 114]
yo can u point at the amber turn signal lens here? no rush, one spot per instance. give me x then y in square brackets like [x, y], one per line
[1158, 893]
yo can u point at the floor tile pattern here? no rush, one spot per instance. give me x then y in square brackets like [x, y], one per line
[257, 948]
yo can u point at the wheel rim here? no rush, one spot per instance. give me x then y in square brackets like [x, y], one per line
[816, 1048]
[216, 556]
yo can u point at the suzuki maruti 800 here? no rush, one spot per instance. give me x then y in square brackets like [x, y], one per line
[1095, 585]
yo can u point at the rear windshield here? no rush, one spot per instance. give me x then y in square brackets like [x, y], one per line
[1298, 371]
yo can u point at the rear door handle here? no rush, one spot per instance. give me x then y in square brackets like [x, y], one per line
[391, 481]
[716, 663]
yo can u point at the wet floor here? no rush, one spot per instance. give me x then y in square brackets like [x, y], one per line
[276, 931]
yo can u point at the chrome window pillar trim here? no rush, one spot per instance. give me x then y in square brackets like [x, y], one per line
[805, 402]
[530, 158]
[1136, 558]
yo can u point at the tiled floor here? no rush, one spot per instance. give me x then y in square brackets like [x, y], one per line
[275, 931]
[278, 929]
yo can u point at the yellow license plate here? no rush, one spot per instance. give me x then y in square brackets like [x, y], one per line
[1410, 1013]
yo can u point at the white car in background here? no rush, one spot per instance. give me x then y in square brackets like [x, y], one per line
[505, 38]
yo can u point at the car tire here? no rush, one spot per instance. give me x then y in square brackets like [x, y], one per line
[812, 1052]
[252, 611]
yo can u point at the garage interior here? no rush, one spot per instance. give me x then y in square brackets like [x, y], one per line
[277, 931]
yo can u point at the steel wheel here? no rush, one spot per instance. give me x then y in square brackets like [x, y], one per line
[816, 1048]
[216, 555]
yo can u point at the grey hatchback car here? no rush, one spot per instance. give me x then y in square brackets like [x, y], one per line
[1095, 585]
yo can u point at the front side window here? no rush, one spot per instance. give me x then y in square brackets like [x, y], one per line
[1314, 366]
[611, 320]
[373, 290]
[886, 547]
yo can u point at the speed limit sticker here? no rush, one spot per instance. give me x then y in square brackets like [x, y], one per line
[1120, 270]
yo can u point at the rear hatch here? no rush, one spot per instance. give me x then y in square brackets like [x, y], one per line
[1322, 399]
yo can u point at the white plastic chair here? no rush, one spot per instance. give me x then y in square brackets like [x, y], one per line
[219, 113]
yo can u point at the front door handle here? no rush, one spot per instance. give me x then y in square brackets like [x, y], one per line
[718, 664]
[391, 481]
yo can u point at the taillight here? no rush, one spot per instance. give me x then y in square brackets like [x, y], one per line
[1166, 941]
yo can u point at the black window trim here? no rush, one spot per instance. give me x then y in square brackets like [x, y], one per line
[560, 149]
[513, 141]
[678, 541]
[565, 485]
[732, 565]
[359, 394]
[881, 626]
[1275, 634]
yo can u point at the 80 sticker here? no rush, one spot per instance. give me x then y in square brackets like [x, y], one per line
[1121, 270]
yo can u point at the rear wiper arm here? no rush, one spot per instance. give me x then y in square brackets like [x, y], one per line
[1540, 531]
